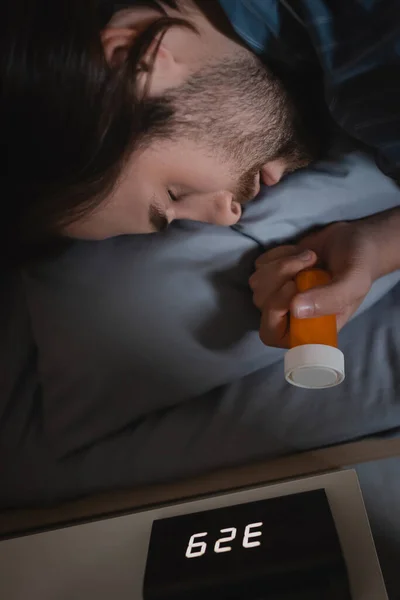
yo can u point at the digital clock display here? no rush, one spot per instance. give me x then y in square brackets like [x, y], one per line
[279, 548]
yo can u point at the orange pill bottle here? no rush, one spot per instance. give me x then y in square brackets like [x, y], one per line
[314, 360]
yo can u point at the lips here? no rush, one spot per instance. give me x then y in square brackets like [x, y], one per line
[257, 184]
[272, 172]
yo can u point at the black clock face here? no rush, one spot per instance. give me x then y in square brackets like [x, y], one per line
[280, 548]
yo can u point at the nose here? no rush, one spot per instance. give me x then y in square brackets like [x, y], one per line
[218, 209]
[273, 171]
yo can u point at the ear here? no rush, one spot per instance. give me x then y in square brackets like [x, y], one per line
[162, 66]
[116, 43]
[160, 63]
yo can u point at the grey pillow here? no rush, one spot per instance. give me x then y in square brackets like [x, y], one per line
[142, 323]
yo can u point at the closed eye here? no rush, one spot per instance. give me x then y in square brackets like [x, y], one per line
[172, 196]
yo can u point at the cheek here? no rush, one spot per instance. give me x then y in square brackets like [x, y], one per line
[83, 231]
[111, 220]
[94, 227]
[209, 176]
[191, 166]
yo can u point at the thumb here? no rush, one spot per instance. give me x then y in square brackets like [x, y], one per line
[331, 299]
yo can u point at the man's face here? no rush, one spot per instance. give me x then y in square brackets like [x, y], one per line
[233, 124]
[170, 180]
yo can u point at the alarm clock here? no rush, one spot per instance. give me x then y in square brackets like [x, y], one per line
[284, 548]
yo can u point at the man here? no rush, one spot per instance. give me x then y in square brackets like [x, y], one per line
[353, 44]
[183, 119]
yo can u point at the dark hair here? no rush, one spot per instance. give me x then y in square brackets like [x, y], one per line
[68, 121]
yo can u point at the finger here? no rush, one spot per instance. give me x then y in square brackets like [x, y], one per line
[332, 299]
[269, 278]
[274, 329]
[275, 253]
[260, 297]
[283, 269]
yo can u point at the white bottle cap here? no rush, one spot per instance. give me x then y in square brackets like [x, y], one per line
[314, 366]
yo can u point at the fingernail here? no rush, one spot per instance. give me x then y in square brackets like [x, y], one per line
[303, 310]
[306, 255]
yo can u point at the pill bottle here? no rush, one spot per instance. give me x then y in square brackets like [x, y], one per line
[314, 360]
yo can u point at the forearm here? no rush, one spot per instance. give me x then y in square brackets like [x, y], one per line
[385, 229]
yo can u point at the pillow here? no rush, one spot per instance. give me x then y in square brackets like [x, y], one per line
[134, 325]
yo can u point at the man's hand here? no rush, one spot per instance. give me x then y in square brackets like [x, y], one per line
[356, 253]
[274, 289]
[350, 253]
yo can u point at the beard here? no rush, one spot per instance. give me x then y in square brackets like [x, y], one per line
[241, 110]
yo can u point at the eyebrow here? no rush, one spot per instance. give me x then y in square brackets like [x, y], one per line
[157, 218]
